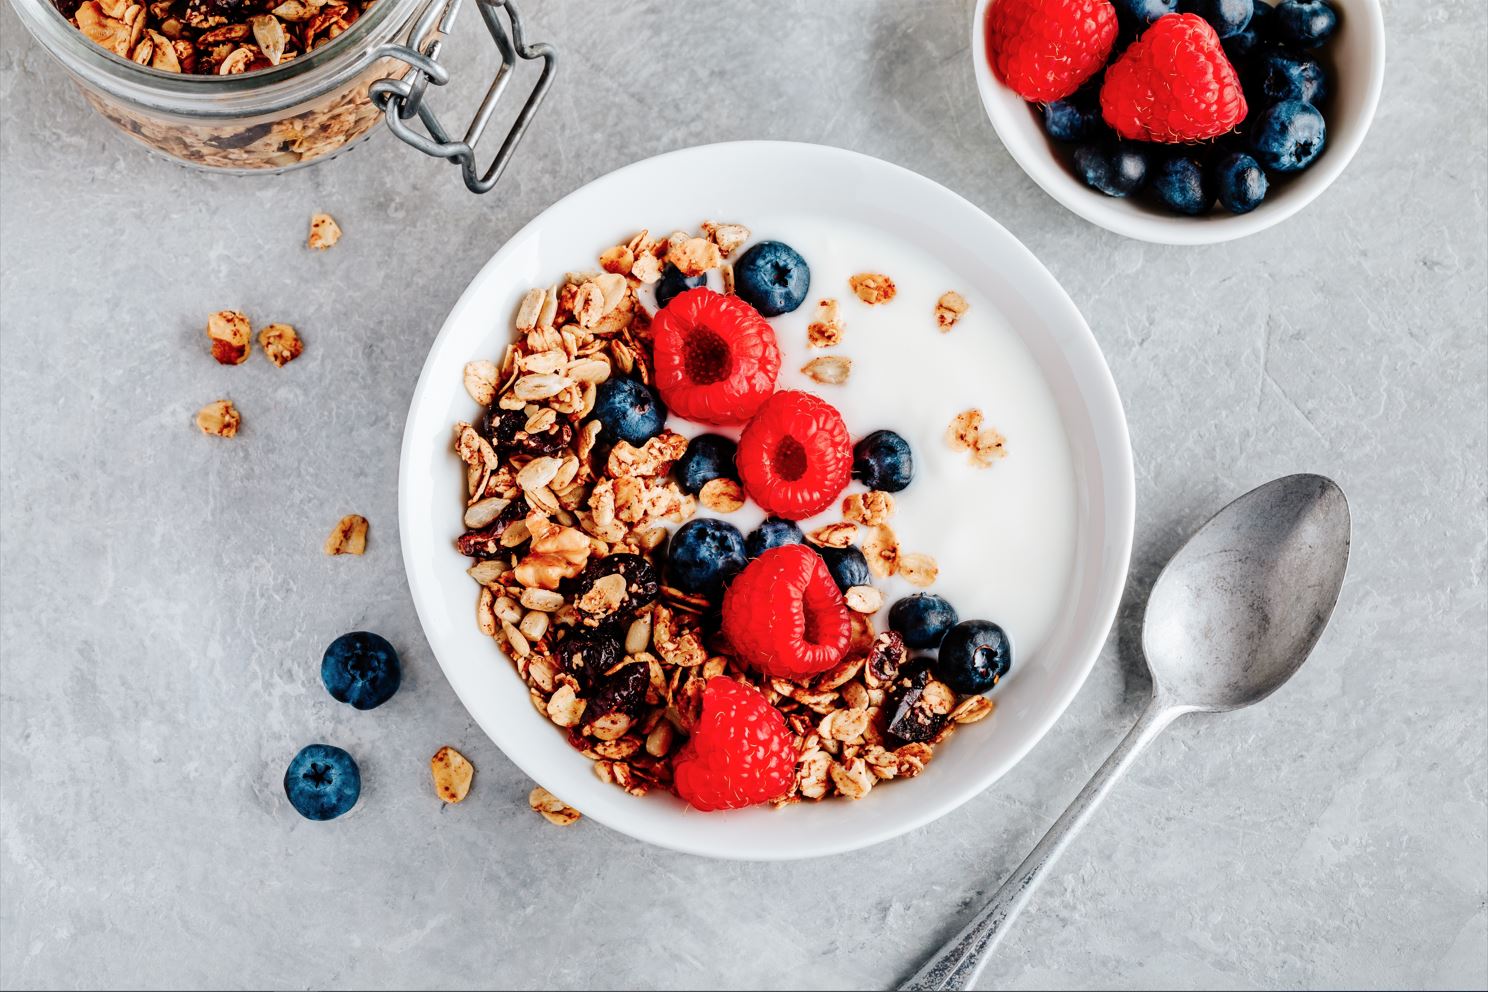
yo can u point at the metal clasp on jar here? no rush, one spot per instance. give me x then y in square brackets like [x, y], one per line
[403, 99]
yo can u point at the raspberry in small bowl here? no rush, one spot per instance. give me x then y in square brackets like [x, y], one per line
[1181, 135]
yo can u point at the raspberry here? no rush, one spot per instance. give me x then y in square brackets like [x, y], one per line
[784, 616]
[739, 754]
[716, 358]
[795, 457]
[1174, 84]
[1044, 49]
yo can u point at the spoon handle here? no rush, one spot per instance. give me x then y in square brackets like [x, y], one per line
[957, 964]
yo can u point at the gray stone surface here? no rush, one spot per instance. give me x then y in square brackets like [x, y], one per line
[165, 598]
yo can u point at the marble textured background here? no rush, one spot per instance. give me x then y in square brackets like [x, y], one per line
[165, 599]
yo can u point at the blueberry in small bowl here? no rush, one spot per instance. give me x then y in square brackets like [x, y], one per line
[772, 277]
[922, 619]
[708, 457]
[628, 411]
[1183, 186]
[1239, 182]
[847, 565]
[322, 782]
[974, 654]
[1114, 168]
[1289, 136]
[773, 533]
[673, 283]
[1137, 14]
[1076, 117]
[1283, 75]
[704, 555]
[1227, 17]
[883, 461]
[1257, 34]
[362, 669]
[1305, 23]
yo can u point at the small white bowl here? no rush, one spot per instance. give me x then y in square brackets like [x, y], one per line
[1355, 60]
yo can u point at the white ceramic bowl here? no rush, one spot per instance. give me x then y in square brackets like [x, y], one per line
[767, 183]
[1355, 60]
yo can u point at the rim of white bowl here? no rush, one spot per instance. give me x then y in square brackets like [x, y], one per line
[1108, 562]
[1028, 146]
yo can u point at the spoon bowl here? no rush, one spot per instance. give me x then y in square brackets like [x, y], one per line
[1238, 609]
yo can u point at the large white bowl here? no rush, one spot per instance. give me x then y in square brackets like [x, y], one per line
[1355, 60]
[747, 181]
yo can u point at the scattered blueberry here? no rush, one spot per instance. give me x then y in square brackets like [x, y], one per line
[773, 533]
[704, 555]
[1282, 75]
[1140, 13]
[708, 457]
[672, 282]
[848, 566]
[973, 656]
[1227, 17]
[1075, 118]
[1116, 169]
[322, 782]
[922, 619]
[1288, 136]
[362, 669]
[629, 411]
[883, 461]
[1181, 183]
[1305, 23]
[1240, 182]
[772, 277]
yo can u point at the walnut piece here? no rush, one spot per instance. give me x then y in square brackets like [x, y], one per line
[219, 419]
[230, 335]
[872, 287]
[349, 536]
[324, 232]
[280, 343]
[452, 774]
[721, 495]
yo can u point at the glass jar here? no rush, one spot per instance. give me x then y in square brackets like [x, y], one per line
[307, 108]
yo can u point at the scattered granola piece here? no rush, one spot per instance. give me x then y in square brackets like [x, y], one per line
[961, 435]
[829, 370]
[872, 287]
[990, 446]
[280, 343]
[728, 237]
[918, 569]
[834, 535]
[881, 548]
[324, 232]
[452, 774]
[825, 329]
[230, 334]
[951, 307]
[721, 495]
[219, 419]
[349, 537]
[869, 509]
[694, 256]
[553, 809]
[863, 599]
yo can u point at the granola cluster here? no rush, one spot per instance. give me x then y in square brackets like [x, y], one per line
[566, 537]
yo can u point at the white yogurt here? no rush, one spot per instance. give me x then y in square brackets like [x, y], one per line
[1004, 536]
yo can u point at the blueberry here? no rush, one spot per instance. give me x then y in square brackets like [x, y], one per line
[1140, 13]
[1282, 75]
[1227, 17]
[1183, 186]
[1114, 168]
[772, 277]
[973, 656]
[708, 457]
[1257, 34]
[1289, 136]
[848, 566]
[362, 669]
[1305, 23]
[704, 555]
[922, 619]
[1077, 117]
[322, 782]
[1240, 182]
[883, 461]
[629, 411]
[673, 282]
[773, 533]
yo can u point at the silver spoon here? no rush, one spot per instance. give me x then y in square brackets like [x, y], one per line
[1231, 617]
